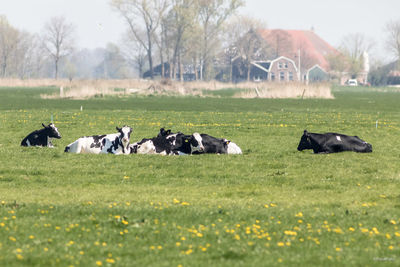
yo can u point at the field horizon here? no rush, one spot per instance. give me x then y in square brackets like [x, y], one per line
[271, 206]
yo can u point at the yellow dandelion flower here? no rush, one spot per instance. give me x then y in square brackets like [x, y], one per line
[388, 236]
[178, 244]
[108, 260]
[281, 244]
[351, 229]
[338, 249]
[31, 237]
[300, 214]
[237, 237]
[81, 252]
[45, 249]
[19, 256]
[392, 221]
[176, 201]
[280, 260]
[397, 234]
[99, 263]
[390, 247]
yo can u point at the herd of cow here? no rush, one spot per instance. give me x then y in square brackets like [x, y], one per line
[168, 143]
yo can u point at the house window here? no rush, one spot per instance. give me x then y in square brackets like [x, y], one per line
[280, 66]
[290, 76]
[281, 76]
[286, 65]
[272, 76]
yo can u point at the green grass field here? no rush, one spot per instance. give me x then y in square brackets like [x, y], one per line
[271, 206]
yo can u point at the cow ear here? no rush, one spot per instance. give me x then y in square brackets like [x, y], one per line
[168, 132]
[43, 125]
[306, 133]
[227, 142]
[118, 129]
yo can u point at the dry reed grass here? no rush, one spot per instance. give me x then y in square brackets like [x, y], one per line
[83, 89]
[287, 90]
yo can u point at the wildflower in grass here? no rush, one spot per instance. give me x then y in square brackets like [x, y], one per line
[108, 260]
[126, 177]
[351, 229]
[390, 247]
[189, 251]
[184, 203]
[375, 230]
[300, 214]
[364, 230]
[397, 234]
[338, 249]
[13, 239]
[388, 236]
[392, 221]
[19, 256]
[273, 205]
[46, 249]
[281, 244]
[81, 252]
[99, 263]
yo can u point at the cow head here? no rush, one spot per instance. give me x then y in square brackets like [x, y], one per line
[164, 132]
[125, 136]
[196, 144]
[305, 142]
[52, 131]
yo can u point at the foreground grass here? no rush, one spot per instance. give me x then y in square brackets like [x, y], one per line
[271, 206]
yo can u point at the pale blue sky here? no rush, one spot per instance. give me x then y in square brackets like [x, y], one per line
[96, 24]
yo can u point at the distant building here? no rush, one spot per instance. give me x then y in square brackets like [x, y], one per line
[294, 55]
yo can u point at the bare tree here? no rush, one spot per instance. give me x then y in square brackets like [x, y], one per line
[393, 38]
[212, 14]
[242, 40]
[142, 12]
[9, 38]
[353, 47]
[133, 52]
[58, 40]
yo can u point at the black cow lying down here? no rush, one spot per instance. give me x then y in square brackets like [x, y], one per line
[42, 137]
[332, 143]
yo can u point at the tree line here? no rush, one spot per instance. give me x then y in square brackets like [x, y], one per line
[172, 34]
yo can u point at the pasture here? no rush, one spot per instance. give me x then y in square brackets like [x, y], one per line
[271, 206]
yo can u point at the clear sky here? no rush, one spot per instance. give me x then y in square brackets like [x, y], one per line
[96, 24]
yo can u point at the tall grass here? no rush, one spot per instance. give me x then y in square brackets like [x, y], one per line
[83, 89]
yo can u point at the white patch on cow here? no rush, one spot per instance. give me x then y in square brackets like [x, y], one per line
[146, 148]
[55, 128]
[170, 136]
[338, 138]
[200, 146]
[28, 143]
[233, 148]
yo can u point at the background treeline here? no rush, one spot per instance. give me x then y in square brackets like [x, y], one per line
[200, 37]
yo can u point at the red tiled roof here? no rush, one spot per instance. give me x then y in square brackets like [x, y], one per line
[313, 50]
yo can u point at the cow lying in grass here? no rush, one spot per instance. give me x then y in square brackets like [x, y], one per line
[167, 143]
[42, 137]
[217, 145]
[332, 143]
[116, 143]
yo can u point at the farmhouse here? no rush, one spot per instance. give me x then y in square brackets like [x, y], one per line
[281, 69]
[292, 55]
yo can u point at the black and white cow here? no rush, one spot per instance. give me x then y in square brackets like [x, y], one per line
[332, 143]
[167, 143]
[217, 145]
[42, 137]
[116, 143]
